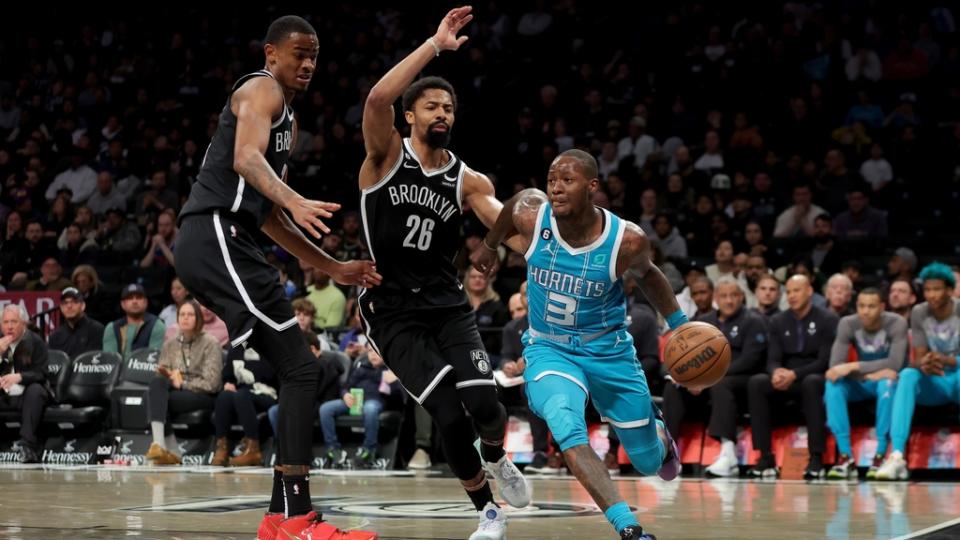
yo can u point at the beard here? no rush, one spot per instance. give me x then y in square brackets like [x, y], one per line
[437, 139]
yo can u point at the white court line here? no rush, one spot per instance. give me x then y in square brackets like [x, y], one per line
[929, 530]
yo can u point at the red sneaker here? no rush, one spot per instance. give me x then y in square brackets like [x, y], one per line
[268, 526]
[310, 527]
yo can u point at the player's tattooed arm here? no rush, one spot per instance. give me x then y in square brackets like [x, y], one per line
[282, 230]
[634, 260]
[517, 218]
[255, 104]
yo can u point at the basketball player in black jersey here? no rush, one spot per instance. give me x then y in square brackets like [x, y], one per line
[419, 319]
[241, 189]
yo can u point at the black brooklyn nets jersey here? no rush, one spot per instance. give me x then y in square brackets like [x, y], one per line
[219, 187]
[412, 222]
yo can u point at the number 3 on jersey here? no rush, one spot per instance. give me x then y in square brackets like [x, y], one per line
[425, 227]
[561, 309]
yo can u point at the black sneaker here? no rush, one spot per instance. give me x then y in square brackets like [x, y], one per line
[765, 468]
[364, 459]
[537, 465]
[336, 458]
[28, 454]
[635, 532]
[815, 469]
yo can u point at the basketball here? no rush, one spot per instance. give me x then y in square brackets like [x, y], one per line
[697, 355]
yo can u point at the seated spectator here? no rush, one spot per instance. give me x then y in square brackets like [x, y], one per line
[51, 277]
[932, 378]
[26, 262]
[839, 292]
[157, 196]
[23, 378]
[876, 171]
[99, 304]
[746, 332]
[137, 329]
[59, 216]
[116, 236]
[367, 375]
[159, 252]
[106, 196]
[825, 255]
[77, 332]
[353, 340]
[490, 311]
[249, 387]
[797, 357]
[212, 325]
[79, 178]
[880, 340]
[901, 298]
[188, 378]
[701, 292]
[352, 245]
[328, 300]
[306, 313]
[861, 221]
[768, 296]
[724, 264]
[76, 249]
[798, 219]
[179, 295]
[671, 241]
[87, 222]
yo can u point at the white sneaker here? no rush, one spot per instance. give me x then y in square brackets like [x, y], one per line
[420, 460]
[512, 486]
[893, 468]
[724, 466]
[493, 524]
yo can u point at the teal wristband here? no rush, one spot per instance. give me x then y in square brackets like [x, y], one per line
[676, 319]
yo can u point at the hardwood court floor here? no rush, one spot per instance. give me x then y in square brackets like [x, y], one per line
[123, 502]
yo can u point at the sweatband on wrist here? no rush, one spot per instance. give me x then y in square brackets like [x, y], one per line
[676, 319]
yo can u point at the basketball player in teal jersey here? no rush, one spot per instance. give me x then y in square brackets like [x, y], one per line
[578, 345]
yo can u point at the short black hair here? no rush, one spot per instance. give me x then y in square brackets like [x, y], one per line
[415, 90]
[281, 28]
[824, 217]
[588, 163]
[874, 291]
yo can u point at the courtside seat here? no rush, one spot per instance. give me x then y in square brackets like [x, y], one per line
[84, 391]
[129, 397]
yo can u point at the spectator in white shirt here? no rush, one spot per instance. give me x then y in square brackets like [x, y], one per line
[106, 196]
[876, 170]
[80, 179]
[712, 158]
[637, 144]
[798, 219]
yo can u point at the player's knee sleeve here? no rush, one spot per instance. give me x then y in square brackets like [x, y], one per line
[645, 457]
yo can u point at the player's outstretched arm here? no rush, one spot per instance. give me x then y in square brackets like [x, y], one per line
[380, 137]
[279, 227]
[634, 260]
[256, 103]
[517, 217]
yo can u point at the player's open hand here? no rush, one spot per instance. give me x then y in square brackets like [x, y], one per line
[307, 214]
[485, 260]
[362, 273]
[446, 36]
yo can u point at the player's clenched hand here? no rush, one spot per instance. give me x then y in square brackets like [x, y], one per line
[307, 214]
[485, 260]
[446, 36]
[362, 273]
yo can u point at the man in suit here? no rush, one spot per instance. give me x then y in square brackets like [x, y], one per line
[23, 384]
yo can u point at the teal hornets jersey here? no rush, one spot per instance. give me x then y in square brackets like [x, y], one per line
[575, 291]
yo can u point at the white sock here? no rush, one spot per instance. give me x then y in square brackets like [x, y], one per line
[157, 429]
[171, 441]
[727, 448]
[896, 454]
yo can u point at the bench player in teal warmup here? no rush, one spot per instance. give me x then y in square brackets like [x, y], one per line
[578, 345]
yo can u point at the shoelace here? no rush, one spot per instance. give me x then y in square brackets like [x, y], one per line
[509, 473]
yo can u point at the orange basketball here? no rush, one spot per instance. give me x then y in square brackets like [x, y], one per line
[697, 355]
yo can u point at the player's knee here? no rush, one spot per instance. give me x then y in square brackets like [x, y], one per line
[646, 461]
[910, 376]
[484, 407]
[565, 421]
[832, 390]
[758, 383]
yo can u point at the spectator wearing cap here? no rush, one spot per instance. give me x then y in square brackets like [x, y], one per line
[79, 178]
[352, 245]
[23, 377]
[51, 277]
[116, 234]
[637, 144]
[106, 196]
[77, 332]
[137, 329]
[860, 221]
[798, 219]
[902, 264]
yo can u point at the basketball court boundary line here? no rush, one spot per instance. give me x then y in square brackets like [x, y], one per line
[928, 530]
